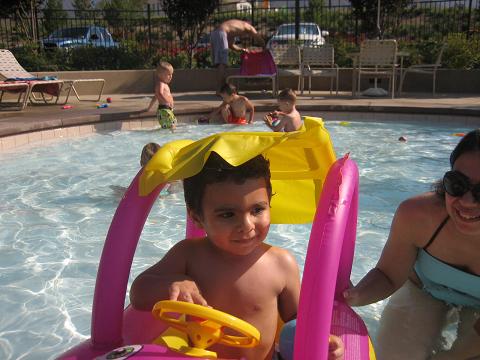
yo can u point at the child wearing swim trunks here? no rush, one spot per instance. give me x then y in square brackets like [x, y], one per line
[287, 118]
[165, 115]
[231, 269]
[234, 107]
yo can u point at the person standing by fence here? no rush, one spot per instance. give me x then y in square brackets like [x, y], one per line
[223, 38]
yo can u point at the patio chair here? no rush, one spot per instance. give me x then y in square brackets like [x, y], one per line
[427, 69]
[18, 88]
[11, 69]
[288, 61]
[257, 65]
[319, 61]
[377, 59]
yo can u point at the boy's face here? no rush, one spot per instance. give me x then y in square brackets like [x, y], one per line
[165, 76]
[227, 98]
[285, 106]
[236, 217]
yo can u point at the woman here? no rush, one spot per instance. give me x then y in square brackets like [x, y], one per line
[431, 263]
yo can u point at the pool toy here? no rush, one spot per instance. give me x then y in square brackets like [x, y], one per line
[101, 106]
[210, 331]
[299, 160]
[66, 107]
[344, 123]
[460, 134]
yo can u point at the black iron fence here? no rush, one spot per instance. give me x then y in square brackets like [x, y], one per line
[150, 31]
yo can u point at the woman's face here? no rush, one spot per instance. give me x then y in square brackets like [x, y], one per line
[464, 210]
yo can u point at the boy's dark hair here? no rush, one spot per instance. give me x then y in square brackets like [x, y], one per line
[288, 95]
[228, 89]
[217, 170]
[147, 153]
[469, 143]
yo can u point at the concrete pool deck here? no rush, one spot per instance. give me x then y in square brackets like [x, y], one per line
[125, 112]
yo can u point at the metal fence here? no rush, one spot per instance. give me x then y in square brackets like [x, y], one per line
[150, 31]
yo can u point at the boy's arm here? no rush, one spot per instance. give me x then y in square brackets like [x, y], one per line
[166, 279]
[290, 295]
[249, 106]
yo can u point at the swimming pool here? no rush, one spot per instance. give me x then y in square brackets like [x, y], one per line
[56, 204]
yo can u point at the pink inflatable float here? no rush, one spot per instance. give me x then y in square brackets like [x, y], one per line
[326, 275]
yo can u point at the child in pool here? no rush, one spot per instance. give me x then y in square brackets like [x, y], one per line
[287, 118]
[234, 107]
[147, 153]
[165, 115]
[231, 269]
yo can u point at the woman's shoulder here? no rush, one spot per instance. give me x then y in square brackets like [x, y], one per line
[423, 207]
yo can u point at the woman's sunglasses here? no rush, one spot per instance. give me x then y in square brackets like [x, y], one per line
[457, 184]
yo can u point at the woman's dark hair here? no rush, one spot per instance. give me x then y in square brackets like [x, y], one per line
[217, 170]
[470, 142]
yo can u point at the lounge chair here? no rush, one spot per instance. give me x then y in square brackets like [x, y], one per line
[11, 69]
[377, 59]
[18, 88]
[426, 69]
[257, 65]
[319, 61]
[288, 61]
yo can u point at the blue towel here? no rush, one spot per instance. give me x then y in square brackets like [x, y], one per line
[44, 78]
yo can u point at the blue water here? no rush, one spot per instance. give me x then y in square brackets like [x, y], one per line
[56, 205]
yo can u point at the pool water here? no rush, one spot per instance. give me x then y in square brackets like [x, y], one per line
[56, 204]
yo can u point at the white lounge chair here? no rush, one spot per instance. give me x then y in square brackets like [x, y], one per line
[319, 61]
[10, 68]
[288, 61]
[426, 69]
[377, 59]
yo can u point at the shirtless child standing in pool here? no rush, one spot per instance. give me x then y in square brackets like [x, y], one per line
[234, 107]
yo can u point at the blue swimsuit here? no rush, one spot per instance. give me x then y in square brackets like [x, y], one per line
[446, 282]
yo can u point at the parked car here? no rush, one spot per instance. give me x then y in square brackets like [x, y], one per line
[67, 38]
[309, 35]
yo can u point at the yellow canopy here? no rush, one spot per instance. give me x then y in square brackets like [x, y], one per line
[299, 162]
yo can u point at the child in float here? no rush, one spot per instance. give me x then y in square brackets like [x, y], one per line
[287, 118]
[147, 153]
[231, 269]
[165, 115]
[234, 107]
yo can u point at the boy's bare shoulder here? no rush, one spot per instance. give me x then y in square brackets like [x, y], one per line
[282, 257]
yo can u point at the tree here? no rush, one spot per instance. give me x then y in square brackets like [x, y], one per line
[83, 8]
[366, 12]
[119, 13]
[189, 18]
[314, 11]
[24, 13]
[54, 15]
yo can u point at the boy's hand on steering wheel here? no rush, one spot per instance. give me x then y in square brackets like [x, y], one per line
[187, 291]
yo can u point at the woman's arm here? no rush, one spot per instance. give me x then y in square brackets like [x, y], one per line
[396, 262]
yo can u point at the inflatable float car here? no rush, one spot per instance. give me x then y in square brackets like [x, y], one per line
[309, 186]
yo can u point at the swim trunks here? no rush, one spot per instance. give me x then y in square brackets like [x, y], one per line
[166, 118]
[219, 42]
[236, 120]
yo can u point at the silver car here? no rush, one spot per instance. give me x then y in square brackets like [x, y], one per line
[309, 35]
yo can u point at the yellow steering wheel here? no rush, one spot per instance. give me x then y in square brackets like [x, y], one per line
[207, 332]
